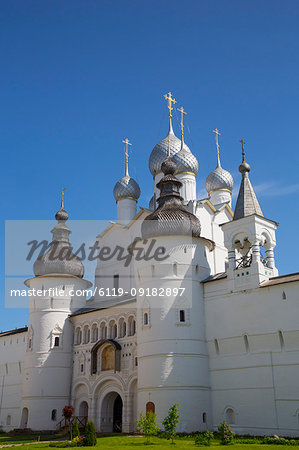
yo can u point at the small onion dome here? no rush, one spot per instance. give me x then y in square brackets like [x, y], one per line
[171, 217]
[160, 153]
[185, 160]
[219, 179]
[126, 187]
[59, 259]
[244, 167]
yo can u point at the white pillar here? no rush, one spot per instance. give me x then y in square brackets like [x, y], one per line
[221, 196]
[126, 210]
[188, 190]
[270, 258]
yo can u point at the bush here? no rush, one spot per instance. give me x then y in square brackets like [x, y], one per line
[226, 434]
[279, 441]
[170, 422]
[147, 425]
[204, 439]
[90, 437]
[75, 429]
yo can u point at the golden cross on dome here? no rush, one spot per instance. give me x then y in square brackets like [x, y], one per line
[170, 100]
[62, 197]
[127, 143]
[182, 111]
[216, 131]
[243, 150]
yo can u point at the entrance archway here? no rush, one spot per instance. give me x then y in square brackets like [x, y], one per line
[83, 414]
[111, 413]
[24, 419]
[117, 414]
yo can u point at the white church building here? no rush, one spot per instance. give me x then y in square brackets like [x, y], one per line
[200, 317]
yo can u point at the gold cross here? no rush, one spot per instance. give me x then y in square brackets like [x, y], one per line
[170, 100]
[216, 131]
[182, 111]
[127, 142]
[243, 150]
[62, 197]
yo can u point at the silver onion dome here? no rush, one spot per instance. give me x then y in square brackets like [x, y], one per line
[59, 259]
[186, 161]
[219, 179]
[126, 187]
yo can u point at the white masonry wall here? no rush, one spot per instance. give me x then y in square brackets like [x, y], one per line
[12, 353]
[253, 340]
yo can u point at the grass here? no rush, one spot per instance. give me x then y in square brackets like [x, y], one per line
[130, 443]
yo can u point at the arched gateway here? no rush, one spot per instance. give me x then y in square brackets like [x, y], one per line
[112, 413]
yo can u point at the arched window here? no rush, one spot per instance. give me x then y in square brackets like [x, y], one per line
[112, 329]
[94, 333]
[204, 417]
[78, 336]
[175, 269]
[54, 414]
[56, 341]
[216, 343]
[8, 420]
[86, 334]
[103, 330]
[230, 416]
[131, 326]
[122, 328]
[182, 315]
[145, 318]
[150, 407]
[246, 343]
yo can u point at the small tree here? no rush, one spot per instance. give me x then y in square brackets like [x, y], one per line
[170, 422]
[226, 433]
[75, 428]
[67, 413]
[90, 437]
[147, 424]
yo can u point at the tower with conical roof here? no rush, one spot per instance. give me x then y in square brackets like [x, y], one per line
[249, 238]
[219, 183]
[58, 289]
[126, 192]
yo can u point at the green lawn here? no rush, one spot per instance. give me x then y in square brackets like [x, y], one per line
[133, 442]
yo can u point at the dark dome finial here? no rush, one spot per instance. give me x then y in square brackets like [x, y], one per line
[168, 166]
[62, 215]
[244, 167]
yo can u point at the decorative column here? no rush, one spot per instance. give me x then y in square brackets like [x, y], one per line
[231, 258]
[270, 258]
[256, 251]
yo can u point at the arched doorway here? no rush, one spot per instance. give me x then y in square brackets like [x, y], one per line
[117, 414]
[111, 413]
[83, 413]
[24, 419]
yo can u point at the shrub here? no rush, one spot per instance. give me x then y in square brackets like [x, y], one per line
[148, 425]
[75, 428]
[226, 434]
[279, 441]
[78, 440]
[170, 422]
[204, 439]
[90, 437]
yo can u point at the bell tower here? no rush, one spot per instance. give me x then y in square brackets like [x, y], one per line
[249, 238]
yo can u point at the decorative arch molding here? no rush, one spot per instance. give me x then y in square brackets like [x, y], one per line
[130, 382]
[108, 384]
[96, 348]
[83, 382]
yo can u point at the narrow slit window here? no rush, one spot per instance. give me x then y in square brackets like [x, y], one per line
[182, 316]
[116, 282]
[56, 341]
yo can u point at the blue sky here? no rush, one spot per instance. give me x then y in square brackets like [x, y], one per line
[79, 76]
